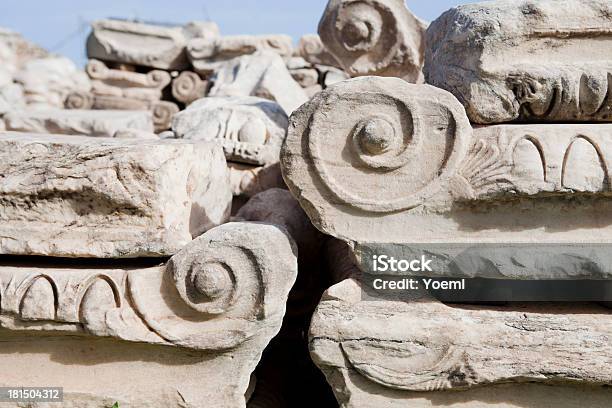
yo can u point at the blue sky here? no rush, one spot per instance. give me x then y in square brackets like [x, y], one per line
[62, 25]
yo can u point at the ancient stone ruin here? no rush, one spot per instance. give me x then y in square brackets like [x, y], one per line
[193, 219]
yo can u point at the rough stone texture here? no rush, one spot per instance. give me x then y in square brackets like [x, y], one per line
[96, 197]
[11, 97]
[525, 60]
[375, 159]
[47, 82]
[462, 356]
[148, 45]
[312, 50]
[193, 330]
[162, 111]
[188, 87]
[248, 180]
[262, 74]
[374, 37]
[77, 122]
[209, 54]
[251, 130]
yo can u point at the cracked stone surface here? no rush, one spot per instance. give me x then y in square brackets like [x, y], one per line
[397, 352]
[525, 60]
[77, 196]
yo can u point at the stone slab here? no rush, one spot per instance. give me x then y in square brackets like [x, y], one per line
[74, 196]
[398, 352]
[103, 123]
[148, 45]
[525, 61]
[208, 54]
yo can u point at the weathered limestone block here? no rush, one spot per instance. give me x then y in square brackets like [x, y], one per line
[525, 60]
[312, 50]
[396, 353]
[374, 37]
[209, 54]
[251, 130]
[188, 87]
[162, 111]
[190, 331]
[372, 160]
[148, 45]
[47, 82]
[262, 74]
[77, 122]
[108, 198]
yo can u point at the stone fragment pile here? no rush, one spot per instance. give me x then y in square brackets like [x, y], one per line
[190, 220]
[508, 145]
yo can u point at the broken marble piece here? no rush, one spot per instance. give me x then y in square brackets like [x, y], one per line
[77, 122]
[148, 45]
[248, 180]
[196, 326]
[306, 77]
[525, 60]
[262, 74]
[373, 159]
[383, 352]
[208, 54]
[374, 37]
[74, 196]
[188, 87]
[47, 82]
[331, 75]
[251, 130]
[162, 111]
[312, 50]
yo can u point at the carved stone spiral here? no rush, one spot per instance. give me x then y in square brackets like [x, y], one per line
[79, 100]
[380, 144]
[208, 285]
[162, 114]
[158, 78]
[96, 69]
[374, 37]
[217, 290]
[188, 87]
